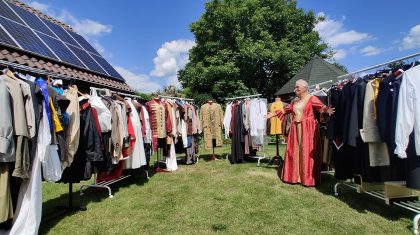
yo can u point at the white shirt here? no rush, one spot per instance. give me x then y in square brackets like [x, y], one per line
[148, 137]
[408, 114]
[257, 110]
[227, 118]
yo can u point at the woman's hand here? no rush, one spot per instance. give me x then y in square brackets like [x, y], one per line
[269, 115]
[330, 111]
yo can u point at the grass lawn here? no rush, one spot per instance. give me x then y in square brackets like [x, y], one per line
[217, 197]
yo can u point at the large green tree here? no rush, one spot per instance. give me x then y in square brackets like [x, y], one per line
[249, 46]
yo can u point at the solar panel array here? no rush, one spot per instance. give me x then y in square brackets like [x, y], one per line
[27, 31]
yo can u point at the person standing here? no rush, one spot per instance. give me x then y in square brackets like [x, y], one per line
[302, 162]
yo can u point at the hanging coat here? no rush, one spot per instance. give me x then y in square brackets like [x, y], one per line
[137, 156]
[238, 128]
[211, 118]
[89, 151]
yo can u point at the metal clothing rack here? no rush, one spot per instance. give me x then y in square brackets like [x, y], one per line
[106, 184]
[241, 97]
[62, 209]
[32, 70]
[259, 158]
[174, 97]
[321, 83]
[380, 65]
[400, 195]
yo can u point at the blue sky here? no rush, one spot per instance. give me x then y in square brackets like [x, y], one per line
[148, 41]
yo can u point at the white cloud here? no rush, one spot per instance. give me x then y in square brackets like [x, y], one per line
[334, 33]
[173, 80]
[347, 38]
[171, 57]
[85, 27]
[139, 82]
[412, 40]
[370, 51]
[339, 54]
[39, 6]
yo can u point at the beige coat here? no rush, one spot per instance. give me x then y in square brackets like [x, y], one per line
[211, 119]
[378, 152]
[73, 128]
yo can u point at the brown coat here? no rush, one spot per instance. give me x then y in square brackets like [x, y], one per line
[211, 119]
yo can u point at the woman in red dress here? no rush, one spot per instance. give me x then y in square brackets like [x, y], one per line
[302, 162]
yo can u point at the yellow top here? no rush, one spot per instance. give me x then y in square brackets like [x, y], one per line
[275, 122]
[54, 116]
[375, 85]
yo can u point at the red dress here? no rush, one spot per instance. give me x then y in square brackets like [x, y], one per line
[303, 157]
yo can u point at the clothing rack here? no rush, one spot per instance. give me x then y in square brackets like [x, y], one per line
[403, 197]
[62, 210]
[380, 65]
[174, 97]
[106, 184]
[319, 84]
[241, 97]
[32, 70]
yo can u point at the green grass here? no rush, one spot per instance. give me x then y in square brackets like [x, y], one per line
[216, 197]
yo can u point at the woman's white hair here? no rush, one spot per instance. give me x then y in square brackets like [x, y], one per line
[302, 82]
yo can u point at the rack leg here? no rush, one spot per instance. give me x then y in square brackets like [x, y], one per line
[96, 186]
[336, 189]
[416, 221]
[213, 157]
[71, 196]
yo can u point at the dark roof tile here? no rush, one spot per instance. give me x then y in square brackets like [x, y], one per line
[317, 70]
[14, 56]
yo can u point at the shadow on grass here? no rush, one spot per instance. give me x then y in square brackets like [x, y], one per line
[208, 157]
[56, 209]
[361, 202]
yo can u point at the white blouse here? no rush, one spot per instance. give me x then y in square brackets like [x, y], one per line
[408, 114]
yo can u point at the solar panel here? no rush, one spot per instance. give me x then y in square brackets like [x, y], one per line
[86, 59]
[4, 38]
[6, 12]
[26, 38]
[61, 50]
[83, 43]
[31, 20]
[43, 37]
[60, 32]
[111, 71]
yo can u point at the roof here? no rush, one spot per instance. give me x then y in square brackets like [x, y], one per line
[316, 71]
[23, 58]
[40, 14]
[13, 54]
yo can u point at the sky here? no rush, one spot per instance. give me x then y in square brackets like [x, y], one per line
[148, 41]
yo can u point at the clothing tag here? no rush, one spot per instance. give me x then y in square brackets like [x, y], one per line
[30, 78]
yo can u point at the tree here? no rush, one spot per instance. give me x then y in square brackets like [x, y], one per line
[144, 95]
[340, 66]
[169, 91]
[249, 46]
